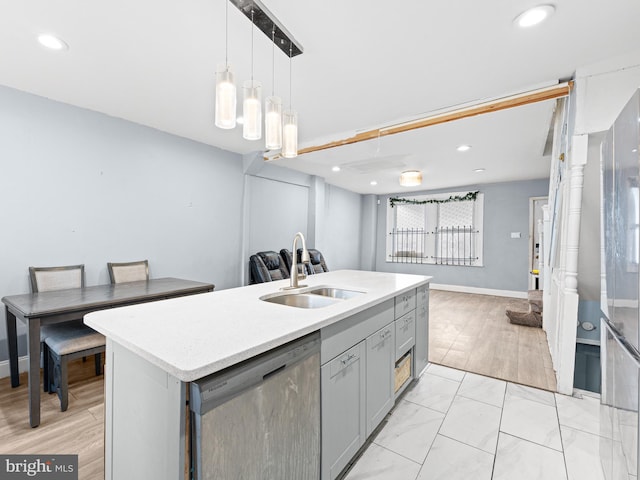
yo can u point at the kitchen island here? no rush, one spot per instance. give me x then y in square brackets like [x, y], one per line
[155, 350]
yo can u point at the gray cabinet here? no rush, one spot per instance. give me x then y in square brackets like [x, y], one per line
[421, 350]
[358, 356]
[343, 410]
[405, 333]
[380, 369]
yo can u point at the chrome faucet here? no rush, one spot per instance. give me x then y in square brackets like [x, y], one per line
[294, 261]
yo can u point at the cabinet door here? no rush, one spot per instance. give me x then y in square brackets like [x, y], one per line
[380, 369]
[422, 330]
[343, 410]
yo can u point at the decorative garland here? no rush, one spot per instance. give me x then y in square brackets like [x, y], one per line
[457, 198]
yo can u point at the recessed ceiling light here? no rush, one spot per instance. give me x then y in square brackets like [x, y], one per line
[239, 120]
[52, 42]
[534, 15]
[634, 150]
[479, 170]
[373, 183]
[464, 148]
[335, 169]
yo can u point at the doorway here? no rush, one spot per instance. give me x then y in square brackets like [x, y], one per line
[536, 218]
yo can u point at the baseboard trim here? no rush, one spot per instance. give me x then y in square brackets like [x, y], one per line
[23, 366]
[478, 290]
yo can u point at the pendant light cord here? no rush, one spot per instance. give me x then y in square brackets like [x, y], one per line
[226, 34]
[273, 61]
[290, 76]
[252, 48]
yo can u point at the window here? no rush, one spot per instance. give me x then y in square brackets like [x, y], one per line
[448, 233]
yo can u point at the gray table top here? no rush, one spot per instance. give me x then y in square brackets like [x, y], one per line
[99, 296]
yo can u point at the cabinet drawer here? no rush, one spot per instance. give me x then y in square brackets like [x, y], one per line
[341, 362]
[405, 333]
[404, 303]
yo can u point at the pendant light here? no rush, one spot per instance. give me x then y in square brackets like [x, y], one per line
[252, 105]
[273, 106]
[290, 123]
[225, 110]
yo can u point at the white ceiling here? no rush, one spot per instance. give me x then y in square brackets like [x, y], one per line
[365, 64]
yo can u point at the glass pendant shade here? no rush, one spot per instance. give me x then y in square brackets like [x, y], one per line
[411, 178]
[289, 134]
[273, 123]
[225, 98]
[252, 110]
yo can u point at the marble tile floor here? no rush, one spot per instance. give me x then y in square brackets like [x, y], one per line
[455, 425]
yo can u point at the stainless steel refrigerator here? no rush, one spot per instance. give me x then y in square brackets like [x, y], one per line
[620, 344]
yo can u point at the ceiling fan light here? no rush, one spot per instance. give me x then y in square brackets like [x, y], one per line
[411, 178]
[225, 115]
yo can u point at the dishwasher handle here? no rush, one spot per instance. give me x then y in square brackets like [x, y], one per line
[273, 372]
[218, 388]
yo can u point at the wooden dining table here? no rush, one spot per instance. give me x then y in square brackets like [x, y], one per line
[44, 308]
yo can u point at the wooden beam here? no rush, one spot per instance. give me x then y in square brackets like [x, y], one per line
[526, 98]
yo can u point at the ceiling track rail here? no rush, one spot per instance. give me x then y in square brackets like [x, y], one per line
[520, 99]
[269, 24]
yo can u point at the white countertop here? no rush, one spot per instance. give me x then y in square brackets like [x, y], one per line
[191, 337]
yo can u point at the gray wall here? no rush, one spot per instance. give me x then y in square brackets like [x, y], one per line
[83, 187]
[369, 232]
[341, 239]
[281, 204]
[506, 210]
[277, 210]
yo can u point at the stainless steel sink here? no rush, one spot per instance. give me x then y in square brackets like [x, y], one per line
[302, 300]
[335, 292]
[315, 297]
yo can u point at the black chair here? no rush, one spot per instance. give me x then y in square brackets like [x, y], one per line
[267, 267]
[317, 263]
[286, 256]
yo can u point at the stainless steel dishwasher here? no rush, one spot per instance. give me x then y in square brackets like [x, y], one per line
[260, 420]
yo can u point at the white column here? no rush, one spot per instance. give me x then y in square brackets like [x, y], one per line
[568, 312]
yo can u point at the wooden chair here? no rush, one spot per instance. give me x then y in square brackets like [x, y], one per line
[46, 279]
[70, 341]
[128, 271]
[63, 341]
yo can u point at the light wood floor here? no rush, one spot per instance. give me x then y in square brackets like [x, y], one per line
[468, 332]
[472, 333]
[79, 430]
